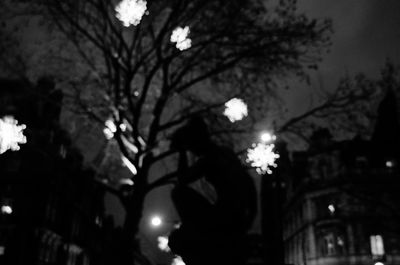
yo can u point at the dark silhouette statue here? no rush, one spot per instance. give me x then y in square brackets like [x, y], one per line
[216, 216]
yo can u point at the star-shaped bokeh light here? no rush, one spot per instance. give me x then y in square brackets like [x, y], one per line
[262, 157]
[130, 12]
[180, 37]
[11, 134]
[235, 109]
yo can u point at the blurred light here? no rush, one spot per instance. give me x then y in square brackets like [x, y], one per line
[2, 250]
[340, 241]
[379, 263]
[110, 129]
[262, 157]
[156, 221]
[130, 12]
[163, 243]
[128, 182]
[389, 163]
[130, 146]
[177, 261]
[122, 126]
[267, 137]
[129, 165]
[11, 134]
[6, 209]
[331, 208]
[180, 37]
[377, 248]
[235, 109]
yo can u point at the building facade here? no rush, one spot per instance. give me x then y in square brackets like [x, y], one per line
[342, 198]
[51, 209]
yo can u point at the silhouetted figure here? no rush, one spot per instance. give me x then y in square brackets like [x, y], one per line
[216, 216]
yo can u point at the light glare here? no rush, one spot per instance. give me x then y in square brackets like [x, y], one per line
[235, 109]
[267, 137]
[262, 157]
[130, 12]
[156, 221]
[11, 134]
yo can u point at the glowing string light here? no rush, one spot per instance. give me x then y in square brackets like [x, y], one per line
[11, 134]
[180, 37]
[235, 109]
[129, 165]
[130, 12]
[262, 157]
[109, 130]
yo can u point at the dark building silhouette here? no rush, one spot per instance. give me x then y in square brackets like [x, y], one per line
[51, 209]
[342, 198]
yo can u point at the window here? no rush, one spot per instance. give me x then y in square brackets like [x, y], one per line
[331, 241]
[377, 248]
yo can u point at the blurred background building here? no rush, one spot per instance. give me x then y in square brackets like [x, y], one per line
[342, 199]
[51, 209]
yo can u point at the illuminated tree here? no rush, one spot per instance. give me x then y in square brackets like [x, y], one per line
[143, 68]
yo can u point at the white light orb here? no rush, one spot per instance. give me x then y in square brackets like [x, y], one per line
[235, 109]
[379, 263]
[262, 157]
[11, 134]
[156, 221]
[130, 12]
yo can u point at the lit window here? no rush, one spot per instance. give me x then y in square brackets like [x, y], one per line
[331, 209]
[6, 209]
[377, 248]
[389, 164]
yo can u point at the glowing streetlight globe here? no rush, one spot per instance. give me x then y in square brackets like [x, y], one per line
[130, 12]
[235, 109]
[156, 221]
[11, 134]
[267, 137]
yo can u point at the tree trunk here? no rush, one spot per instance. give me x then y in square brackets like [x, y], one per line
[133, 204]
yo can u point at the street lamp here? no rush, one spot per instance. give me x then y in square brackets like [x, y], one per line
[267, 137]
[156, 221]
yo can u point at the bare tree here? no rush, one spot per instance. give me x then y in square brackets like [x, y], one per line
[137, 77]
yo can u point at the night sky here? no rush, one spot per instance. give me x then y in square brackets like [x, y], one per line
[366, 33]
